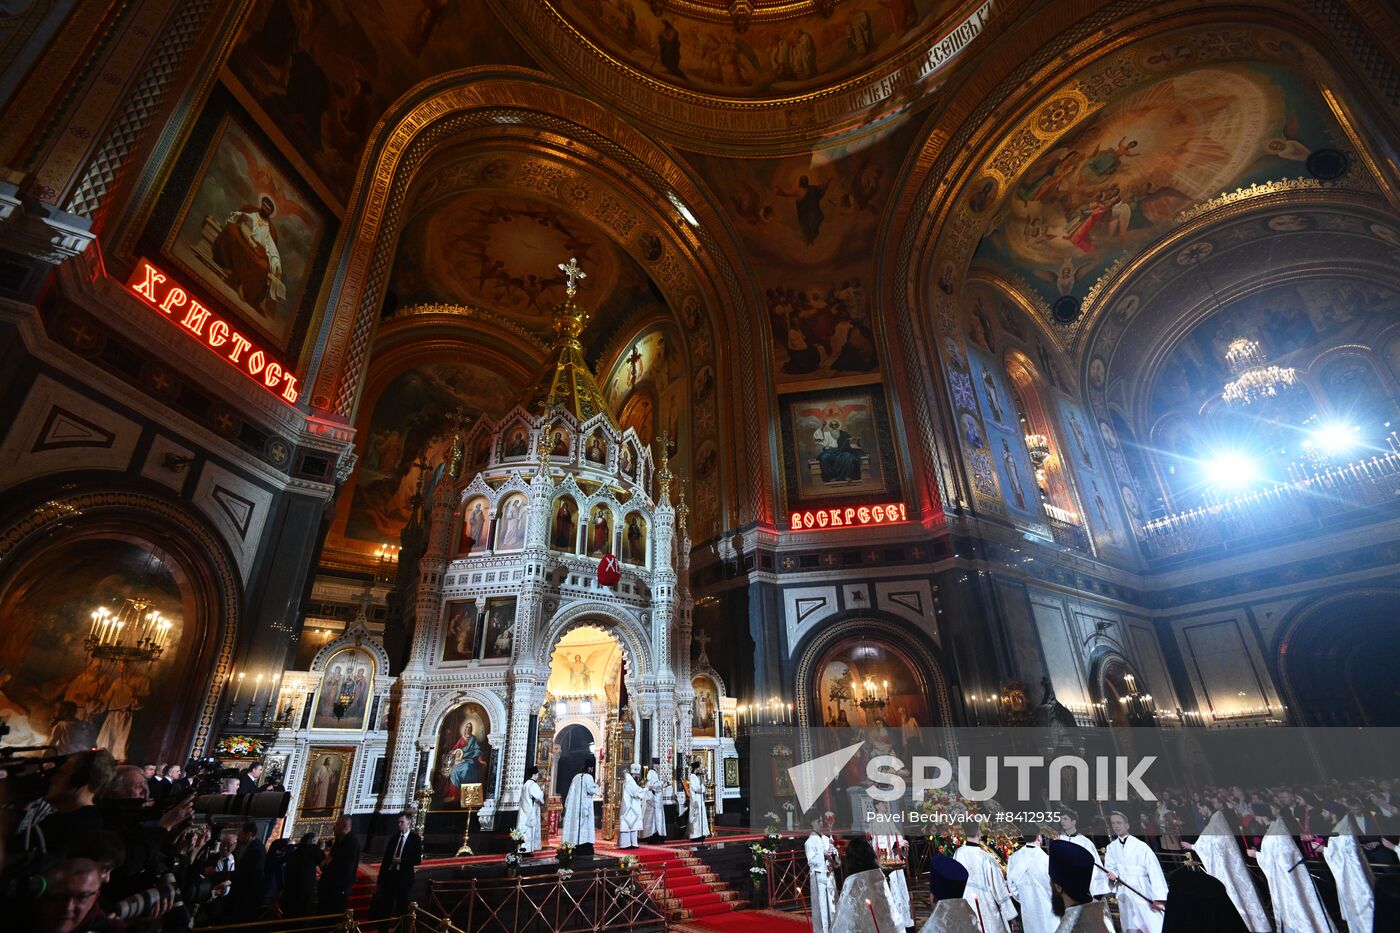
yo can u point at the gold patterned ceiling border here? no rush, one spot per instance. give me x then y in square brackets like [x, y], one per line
[718, 124]
[1128, 62]
[468, 311]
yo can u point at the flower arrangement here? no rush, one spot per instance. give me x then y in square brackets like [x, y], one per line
[239, 746]
[760, 851]
[565, 855]
[772, 832]
[955, 813]
[514, 857]
[629, 863]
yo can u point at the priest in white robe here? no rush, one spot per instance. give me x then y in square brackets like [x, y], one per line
[1028, 880]
[654, 807]
[1134, 869]
[698, 823]
[952, 913]
[1355, 883]
[864, 904]
[629, 821]
[577, 829]
[1072, 868]
[986, 883]
[1292, 892]
[1219, 853]
[531, 812]
[891, 850]
[821, 882]
[1098, 884]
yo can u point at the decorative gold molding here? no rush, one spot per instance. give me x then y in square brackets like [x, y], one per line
[470, 311]
[1239, 195]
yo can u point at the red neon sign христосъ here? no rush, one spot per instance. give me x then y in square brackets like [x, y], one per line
[216, 334]
[848, 516]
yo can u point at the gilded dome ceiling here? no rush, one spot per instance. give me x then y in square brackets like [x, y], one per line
[718, 73]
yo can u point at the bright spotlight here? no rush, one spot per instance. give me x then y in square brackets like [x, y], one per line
[1229, 471]
[1336, 437]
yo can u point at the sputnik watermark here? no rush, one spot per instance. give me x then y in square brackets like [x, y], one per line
[1099, 777]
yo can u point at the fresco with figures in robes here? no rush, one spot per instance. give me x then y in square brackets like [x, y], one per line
[498, 632]
[51, 691]
[837, 446]
[463, 754]
[347, 684]
[409, 420]
[1118, 179]
[323, 788]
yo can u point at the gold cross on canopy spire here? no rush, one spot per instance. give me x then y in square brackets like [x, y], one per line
[573, 274]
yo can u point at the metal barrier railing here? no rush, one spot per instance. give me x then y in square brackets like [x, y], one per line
[414, 920]
[787, 879]
[584, 902]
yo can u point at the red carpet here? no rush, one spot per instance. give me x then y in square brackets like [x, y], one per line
[692, 891]
[751, 921]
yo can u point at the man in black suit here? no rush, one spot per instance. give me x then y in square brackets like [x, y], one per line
[338, 876]
[249, 892]
[299, 890]
[248, 780]
[401, 856]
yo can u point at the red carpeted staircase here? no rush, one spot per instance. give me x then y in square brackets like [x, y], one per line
[692, 891]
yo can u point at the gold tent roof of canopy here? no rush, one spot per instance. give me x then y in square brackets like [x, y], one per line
[566, 383]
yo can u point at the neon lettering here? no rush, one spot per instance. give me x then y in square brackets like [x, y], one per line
[195, 318]
[852, 515]
[256, 361]
[175, 298]
[218, 334]
[147, 289]
[240, 343]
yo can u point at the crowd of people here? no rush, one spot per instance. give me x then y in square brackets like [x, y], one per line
[1217, 858]
[91, 844]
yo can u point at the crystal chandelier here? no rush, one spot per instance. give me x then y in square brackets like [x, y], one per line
[874, 696]
[1039, 447]
[135, 632]
[1255, 378]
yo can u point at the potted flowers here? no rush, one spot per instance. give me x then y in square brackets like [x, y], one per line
[514, 857]
[565, 856]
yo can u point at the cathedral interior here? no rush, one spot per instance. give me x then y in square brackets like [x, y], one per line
[420, 393]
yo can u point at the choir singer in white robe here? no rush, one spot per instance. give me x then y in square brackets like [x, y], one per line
[1028, 879]
[1291, 889]
[531, 812]
[698, 826]
[1355, 883]
[578, 810]
[864, 905]
[629, 821]
[654, 807]
[1133, 867]
[1220, 856]
[986, 884]
[821, 860]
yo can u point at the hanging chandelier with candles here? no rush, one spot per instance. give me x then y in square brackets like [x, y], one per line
[1255, 378]
[873, 696]
[135, 632]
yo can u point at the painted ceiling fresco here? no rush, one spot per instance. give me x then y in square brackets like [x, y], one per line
[809, 224]
[409, 419]
[781, 52]
[500, 252]
[1117, 181]
[326, 70]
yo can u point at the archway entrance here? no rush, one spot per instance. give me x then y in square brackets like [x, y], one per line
[1337, 663]
[585, 692]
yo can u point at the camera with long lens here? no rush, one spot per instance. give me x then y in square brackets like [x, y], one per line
[195, 892]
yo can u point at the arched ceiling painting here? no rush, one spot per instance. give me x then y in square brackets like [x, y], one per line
[408, 419]
[500, 252]
[1117, 180]
[326, 70]
[786, 48]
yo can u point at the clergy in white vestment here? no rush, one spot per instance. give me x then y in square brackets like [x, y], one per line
[864, 904]
[1098, 884]
[1355, 883]
[1219, 853]
[698, 824]
[531, 812]
[577, 829]
[1292, 892]
[654, 807]
[1028, 880]
[1072, 868]
[821, 862]
[986, 883]
[1134, 870]
[629, 820]
[891, 849]
[952, 913]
